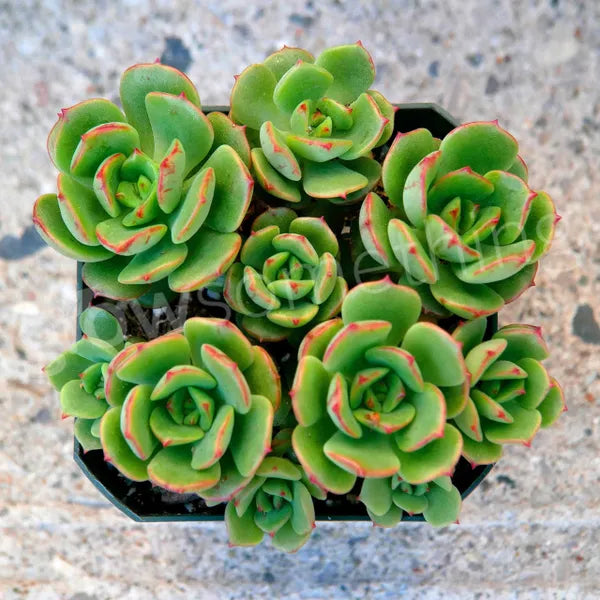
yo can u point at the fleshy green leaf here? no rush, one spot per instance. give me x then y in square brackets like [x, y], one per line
[383, 300]
[331, 179]
[150, 360]
[346, 349]
[76, 402]
[352, 69]
[404, 154]
[376, 495]
[137, 82]
[233, 190]
[438, 355]
[552, 405]
[49, 224]
[210, 254]
[194, 209]
[443, 507]
[409, 251]
[242, 530]
[116, 449]
[483, 146]
[437, 458]
[464, 299]
[310, 387]
[372, 455]
[170, 469]
[251, 438]
[275, 148]
[428, 422]
[308, 445]
[175, 117]
[214, 444]
[102, 278]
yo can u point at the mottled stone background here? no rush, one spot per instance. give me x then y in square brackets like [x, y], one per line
[532, 530]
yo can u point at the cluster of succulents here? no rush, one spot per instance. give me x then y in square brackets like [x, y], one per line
[317, 384]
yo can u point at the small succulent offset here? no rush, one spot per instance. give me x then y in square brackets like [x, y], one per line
[287, 277]
[80, 373]
[386, 499]
[371, 390]
[509, 395]
[154, 194]
[462, 224]
[276, 502]
[191, 408]
[314, 121]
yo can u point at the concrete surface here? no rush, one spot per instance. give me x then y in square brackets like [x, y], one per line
[533, 529]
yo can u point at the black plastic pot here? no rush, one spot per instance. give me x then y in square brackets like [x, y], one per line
[144, 502]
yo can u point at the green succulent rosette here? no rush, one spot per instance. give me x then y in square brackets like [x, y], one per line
[192, 408]
[154, 194]
[278, 501]
[79, 374]
[387, 499]
[314, 122]
[509, 394]
[461, 222]
[287, 277]
[371, 390]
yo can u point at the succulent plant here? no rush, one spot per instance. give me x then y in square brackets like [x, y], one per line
[79, 374]
[387, 498]
[314, 122]
[287, 277]
[157, 192]
[369, 407]
[508, 395]
[192, 408]
[462, 223]
[276, 501]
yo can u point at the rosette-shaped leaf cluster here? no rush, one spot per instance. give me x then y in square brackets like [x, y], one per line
[386, 499]
[462, 223]
[509, 394]
[193, 408]
[369, 392]
[288, 275]
[157, 192]
[315, 122]
[79, 374]
[276, 501]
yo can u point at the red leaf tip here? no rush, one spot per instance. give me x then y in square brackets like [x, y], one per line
[157, 60]
[557, 218]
